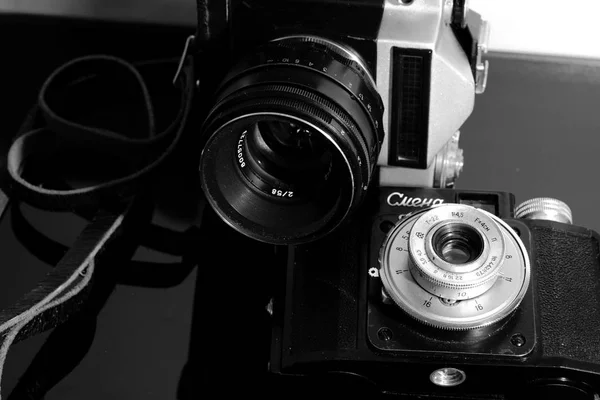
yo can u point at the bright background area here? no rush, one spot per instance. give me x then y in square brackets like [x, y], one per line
[554, 27]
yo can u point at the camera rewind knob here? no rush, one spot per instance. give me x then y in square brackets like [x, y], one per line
[545, 208]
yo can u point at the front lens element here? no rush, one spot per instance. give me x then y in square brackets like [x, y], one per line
[287, 159]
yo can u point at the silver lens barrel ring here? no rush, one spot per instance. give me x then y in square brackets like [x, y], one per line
[454, 267]
[449, 228]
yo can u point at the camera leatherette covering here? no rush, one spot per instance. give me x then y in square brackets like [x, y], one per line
[327, 322]
[323, 285]
[568, 284]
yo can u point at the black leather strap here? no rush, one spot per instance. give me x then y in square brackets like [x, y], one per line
[136, 157]
[55, 137]
[137, 273]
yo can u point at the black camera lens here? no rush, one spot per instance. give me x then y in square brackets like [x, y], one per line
[293, 139]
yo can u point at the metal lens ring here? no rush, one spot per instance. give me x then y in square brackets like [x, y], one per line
[408, 293]
[461, 229]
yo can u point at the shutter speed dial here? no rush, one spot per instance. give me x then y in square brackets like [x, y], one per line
[454, 267]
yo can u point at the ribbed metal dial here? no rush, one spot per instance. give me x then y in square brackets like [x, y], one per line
[545, 208]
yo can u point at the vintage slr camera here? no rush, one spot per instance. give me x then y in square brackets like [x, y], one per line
[333, 132]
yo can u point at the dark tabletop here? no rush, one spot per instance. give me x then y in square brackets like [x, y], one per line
[534, 132]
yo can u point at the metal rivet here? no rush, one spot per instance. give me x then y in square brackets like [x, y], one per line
[517, 340]
[385, 334]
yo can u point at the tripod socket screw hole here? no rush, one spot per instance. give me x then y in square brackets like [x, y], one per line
[385, 334]
[447, 377]
[518, 340]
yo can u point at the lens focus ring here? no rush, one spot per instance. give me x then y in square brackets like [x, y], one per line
[339, 64]
[450, 280]
[326, 63]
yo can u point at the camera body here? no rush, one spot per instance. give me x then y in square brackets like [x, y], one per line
[425, 57]
[410, 69]
[318, 101]
[331, 319]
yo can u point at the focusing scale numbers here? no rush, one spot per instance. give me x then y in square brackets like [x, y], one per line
[338, 72]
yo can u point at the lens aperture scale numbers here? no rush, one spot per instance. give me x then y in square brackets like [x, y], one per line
[351, 73]
[436, 240]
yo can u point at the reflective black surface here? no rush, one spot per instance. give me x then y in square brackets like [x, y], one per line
[534, 133]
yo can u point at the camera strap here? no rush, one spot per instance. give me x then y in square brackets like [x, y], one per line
[67, 130]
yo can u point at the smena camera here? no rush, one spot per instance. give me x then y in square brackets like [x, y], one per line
[333, 134]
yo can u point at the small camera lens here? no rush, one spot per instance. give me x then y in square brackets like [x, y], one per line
[457, 243]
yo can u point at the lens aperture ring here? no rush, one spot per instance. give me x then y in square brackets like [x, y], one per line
[317, 57]
[435, 307]
[449, 280]
[340, 53]
[279, 97]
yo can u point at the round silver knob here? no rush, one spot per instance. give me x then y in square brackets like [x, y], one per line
[449, 163]
[545, 208]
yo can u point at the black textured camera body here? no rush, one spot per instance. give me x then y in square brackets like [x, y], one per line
[235, 27]
[331, 321]
[353, 22]
[298, 81]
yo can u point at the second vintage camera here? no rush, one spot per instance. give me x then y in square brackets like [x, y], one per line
[335, 132]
